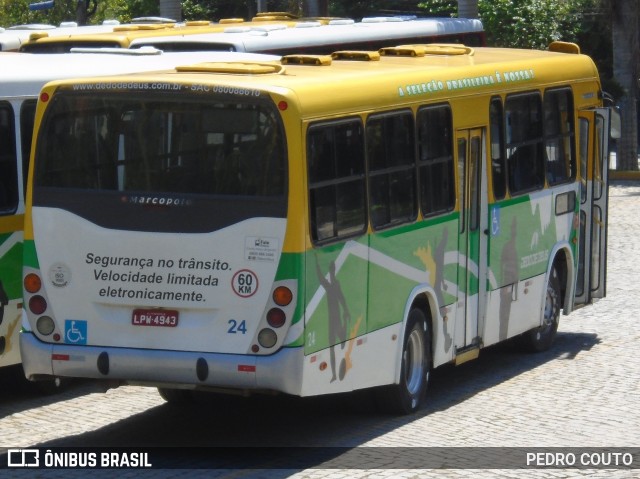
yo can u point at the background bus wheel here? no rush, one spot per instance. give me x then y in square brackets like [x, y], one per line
[176, 396]
[405, 398]
[50, 386]
[541, 338]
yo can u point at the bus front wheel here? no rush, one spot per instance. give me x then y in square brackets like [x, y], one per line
[405, 397]
[541, 338]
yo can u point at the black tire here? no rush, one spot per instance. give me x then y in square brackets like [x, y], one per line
[541, 338]
[176, 397]
[406, 397]
[51, 386]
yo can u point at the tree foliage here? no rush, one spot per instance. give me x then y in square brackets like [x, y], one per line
[16, 12]
[536, 23]
[525, 23]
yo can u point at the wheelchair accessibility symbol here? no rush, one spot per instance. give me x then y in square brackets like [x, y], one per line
[495, 221]
[75, 331]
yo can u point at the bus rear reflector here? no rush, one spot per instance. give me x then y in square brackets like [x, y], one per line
[246, 368]
[60, 357]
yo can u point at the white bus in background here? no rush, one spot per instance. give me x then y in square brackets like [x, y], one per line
[315, 38]
[12, 37]
[21, 78]
[147, 27]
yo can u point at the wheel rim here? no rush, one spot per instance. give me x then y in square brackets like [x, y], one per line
[414, 364]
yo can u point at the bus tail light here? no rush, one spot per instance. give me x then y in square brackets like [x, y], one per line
[32, 283]
[267, 338]
[45, 325]
[282, 296]
[276, 318]
[37, 304]
[278, 313]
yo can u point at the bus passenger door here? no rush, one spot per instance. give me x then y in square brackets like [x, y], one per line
[472, 246]
[594, 189]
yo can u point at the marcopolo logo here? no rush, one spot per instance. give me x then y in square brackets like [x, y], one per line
[148, 200]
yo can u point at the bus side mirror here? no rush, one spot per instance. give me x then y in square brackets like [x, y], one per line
[615, 129]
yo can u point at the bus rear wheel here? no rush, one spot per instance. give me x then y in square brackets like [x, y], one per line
[541, 338]
[405, 397]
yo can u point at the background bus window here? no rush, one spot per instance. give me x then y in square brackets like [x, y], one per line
[559, 134]
[392, 172]
[8, 161]
[524, 142]
[498, 166]
[335, 155]
[27, 117]
[435, 161]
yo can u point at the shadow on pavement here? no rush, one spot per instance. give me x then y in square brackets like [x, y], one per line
[291, 424]
[18, 394]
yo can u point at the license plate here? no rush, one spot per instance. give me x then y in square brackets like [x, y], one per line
[154, 317]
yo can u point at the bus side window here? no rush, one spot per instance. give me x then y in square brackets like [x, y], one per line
[392, 172]
[435, 160]
[335, 159]
[8, 161]
[498, 166]
[559, 135]
[524, 142]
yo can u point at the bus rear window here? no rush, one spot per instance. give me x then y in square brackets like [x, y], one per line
[161, 145]
[8, 162]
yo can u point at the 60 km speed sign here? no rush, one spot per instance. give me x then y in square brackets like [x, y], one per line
[244, 283]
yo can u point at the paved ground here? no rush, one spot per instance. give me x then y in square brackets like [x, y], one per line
[585, 392]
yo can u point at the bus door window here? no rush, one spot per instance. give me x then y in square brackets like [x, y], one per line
[472, 268]
[585, 198]
[591, 275]
[597, 226]
[8, 161]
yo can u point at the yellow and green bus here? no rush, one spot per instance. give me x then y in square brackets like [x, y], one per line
[317, 225]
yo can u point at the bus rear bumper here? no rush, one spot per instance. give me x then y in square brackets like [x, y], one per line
[278, 372]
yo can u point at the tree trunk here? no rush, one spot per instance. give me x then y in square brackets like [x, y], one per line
[171, 9]
[468, 8]
[624, 28]
[316, 8]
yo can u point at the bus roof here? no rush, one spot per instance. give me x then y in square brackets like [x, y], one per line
[13, 37]
[254, 39]
[122, 35]
[396, 80]
[24, 74]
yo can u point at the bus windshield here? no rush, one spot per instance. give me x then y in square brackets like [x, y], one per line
[161, 145]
